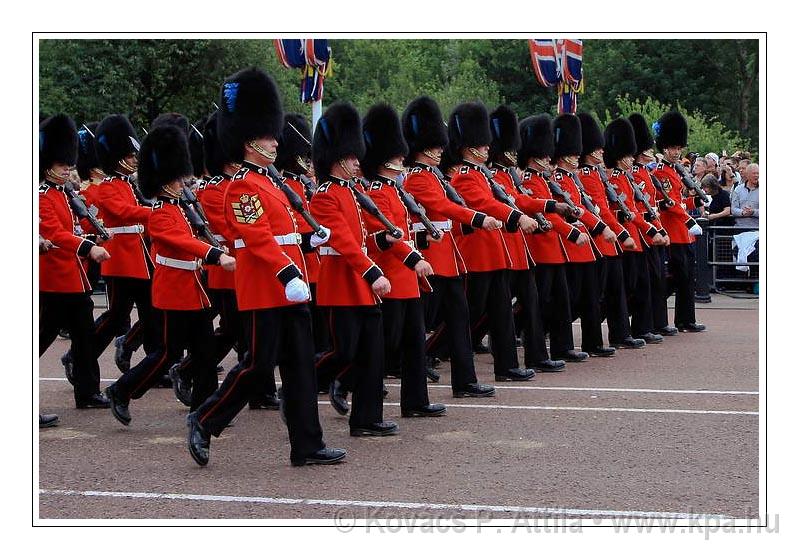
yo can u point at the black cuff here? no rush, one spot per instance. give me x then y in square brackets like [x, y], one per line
[288, 273]
[574, 234]
[550, 206]
[381, 242]
[512, 222]
[663, 232]
[652, 232]
[663, 204]
[477, 221]
[372, 274]
[412, 259]
[84, 248]
[623, 236]
[421, 239]
[305, 242]
[698, 201]
[690, 223]
[598, 229]
[213, 255]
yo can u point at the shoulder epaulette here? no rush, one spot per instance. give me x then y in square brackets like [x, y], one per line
[558, 175]
[375, 186]
[526, 175]
[616, 173]
[158, 204]
[324, 187]
[241, 174]
[586, 171]
[464, 169]
[216, 180]
[660, 166]
[43, 189]
[415, 170]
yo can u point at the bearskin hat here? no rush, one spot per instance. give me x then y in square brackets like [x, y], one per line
[620, 142]
[591, 134]
[58, 142]
[644, 140]
[196, 141]
[214, 157]
[448, 160]
[423, 125]
[164, 158]
[249, 107]
[338, 135]
[87, 155]
[468, 127]
[567, 136]
[175, 119]
[114, 139]
[382, 137]
[536, 139]
[671, 130]
[294, 141]
[505, 132]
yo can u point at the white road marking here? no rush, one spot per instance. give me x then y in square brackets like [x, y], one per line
[383, 504]
[588, 408]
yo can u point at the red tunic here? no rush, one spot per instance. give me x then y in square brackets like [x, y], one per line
[594, 187]
[60, 269]
[588, 223]
[444, 257]
[642, 175]
[312, 257]
[257, 212]
[515, 240]
[674, 219]
[211, 196]
[345, 279]
[117, 207]
[638, 228]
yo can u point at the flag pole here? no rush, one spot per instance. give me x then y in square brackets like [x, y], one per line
[316, 113]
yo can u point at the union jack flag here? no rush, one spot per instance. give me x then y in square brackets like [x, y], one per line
[546, 61]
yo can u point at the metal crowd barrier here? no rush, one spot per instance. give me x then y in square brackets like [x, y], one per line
[716, 260]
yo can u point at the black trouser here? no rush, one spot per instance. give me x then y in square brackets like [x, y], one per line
[73, 312]
[682, 279]
[192, 330]
[446, 306]
[613, 302]
[122, 294]
[489, 299]
[356, 359]
[551, 281]
[584, 297]
[637, 285]
[319, 323]
[656, 257]
[404, 342]
[278, 336]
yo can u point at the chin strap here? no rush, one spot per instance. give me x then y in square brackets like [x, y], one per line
[480, 156]
[437, 159]
[57, 179]
[269, 155]
[572, 161]
[511, 157]
[126, 166]
[543, 163]
[393, 167]
[301, 163]
[347, 169]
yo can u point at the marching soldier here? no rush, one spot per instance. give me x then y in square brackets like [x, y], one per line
[446, 305]
[270, 289]
[350, 284]
[671, 134]
[503, 159]
[582, 272]
[403, 264]
[64, 289]
[618, 155]
[177, 289]
[655, 254]
[485, 253]
[612, 281]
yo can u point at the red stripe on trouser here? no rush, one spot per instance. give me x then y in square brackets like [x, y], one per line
[241, 372]
[161, 361]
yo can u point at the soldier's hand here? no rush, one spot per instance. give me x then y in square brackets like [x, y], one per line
[658, 239]
[44, 244]
[608, 235]
[390, 239]
[583, 239]
[227, 262]
[563, 209]
[666, 240]
[491, 224]
[297, 291]
[629, 243]
[431, 239]
[381, 286]
[528, 224]
[423, 268]
[98, 254]
[578, 212]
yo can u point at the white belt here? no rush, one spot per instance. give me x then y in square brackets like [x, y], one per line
[330, 251]
[447, 225]
[178, 263]
[220, 238]
[136, 228]
[288, 239]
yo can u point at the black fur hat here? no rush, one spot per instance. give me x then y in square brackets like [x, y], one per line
[87, 155]
[175, 119]
[114, 139]
[505, 132]
[196, 141]
[671, 130]
[164, 157]
[293, 142]
[249, 107]
[536, 139]
[567, 136]
[468, 127]
[620, 142]
[448, 160]
[423, 125]
[382, 137]
[214, 157]
[58, 142]
[338, 135]
[591, 135]
[644, 140]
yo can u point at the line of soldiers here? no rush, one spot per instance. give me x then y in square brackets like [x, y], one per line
[417, 239]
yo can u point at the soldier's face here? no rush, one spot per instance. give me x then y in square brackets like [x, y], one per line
[132, 161]
[59, 171]
[352, 165]
[673, 153]
[626, 162]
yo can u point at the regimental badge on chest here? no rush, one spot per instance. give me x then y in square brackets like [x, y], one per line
[248, 209]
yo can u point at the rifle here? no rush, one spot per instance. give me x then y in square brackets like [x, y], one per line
[613, 196]
[309, 186]
[81, 211]
[498, 191]
[544, 223]
[369, 205]
[451, 193]
[641, 196]
[691, 183]
[295, 201]
[416, 210]
[140, 198]
[586, 200]
[197, 218]
[668, 202]
[556, 190]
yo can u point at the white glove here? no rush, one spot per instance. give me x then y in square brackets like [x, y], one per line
[316, 240]
[297, 291]
[696, 230]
